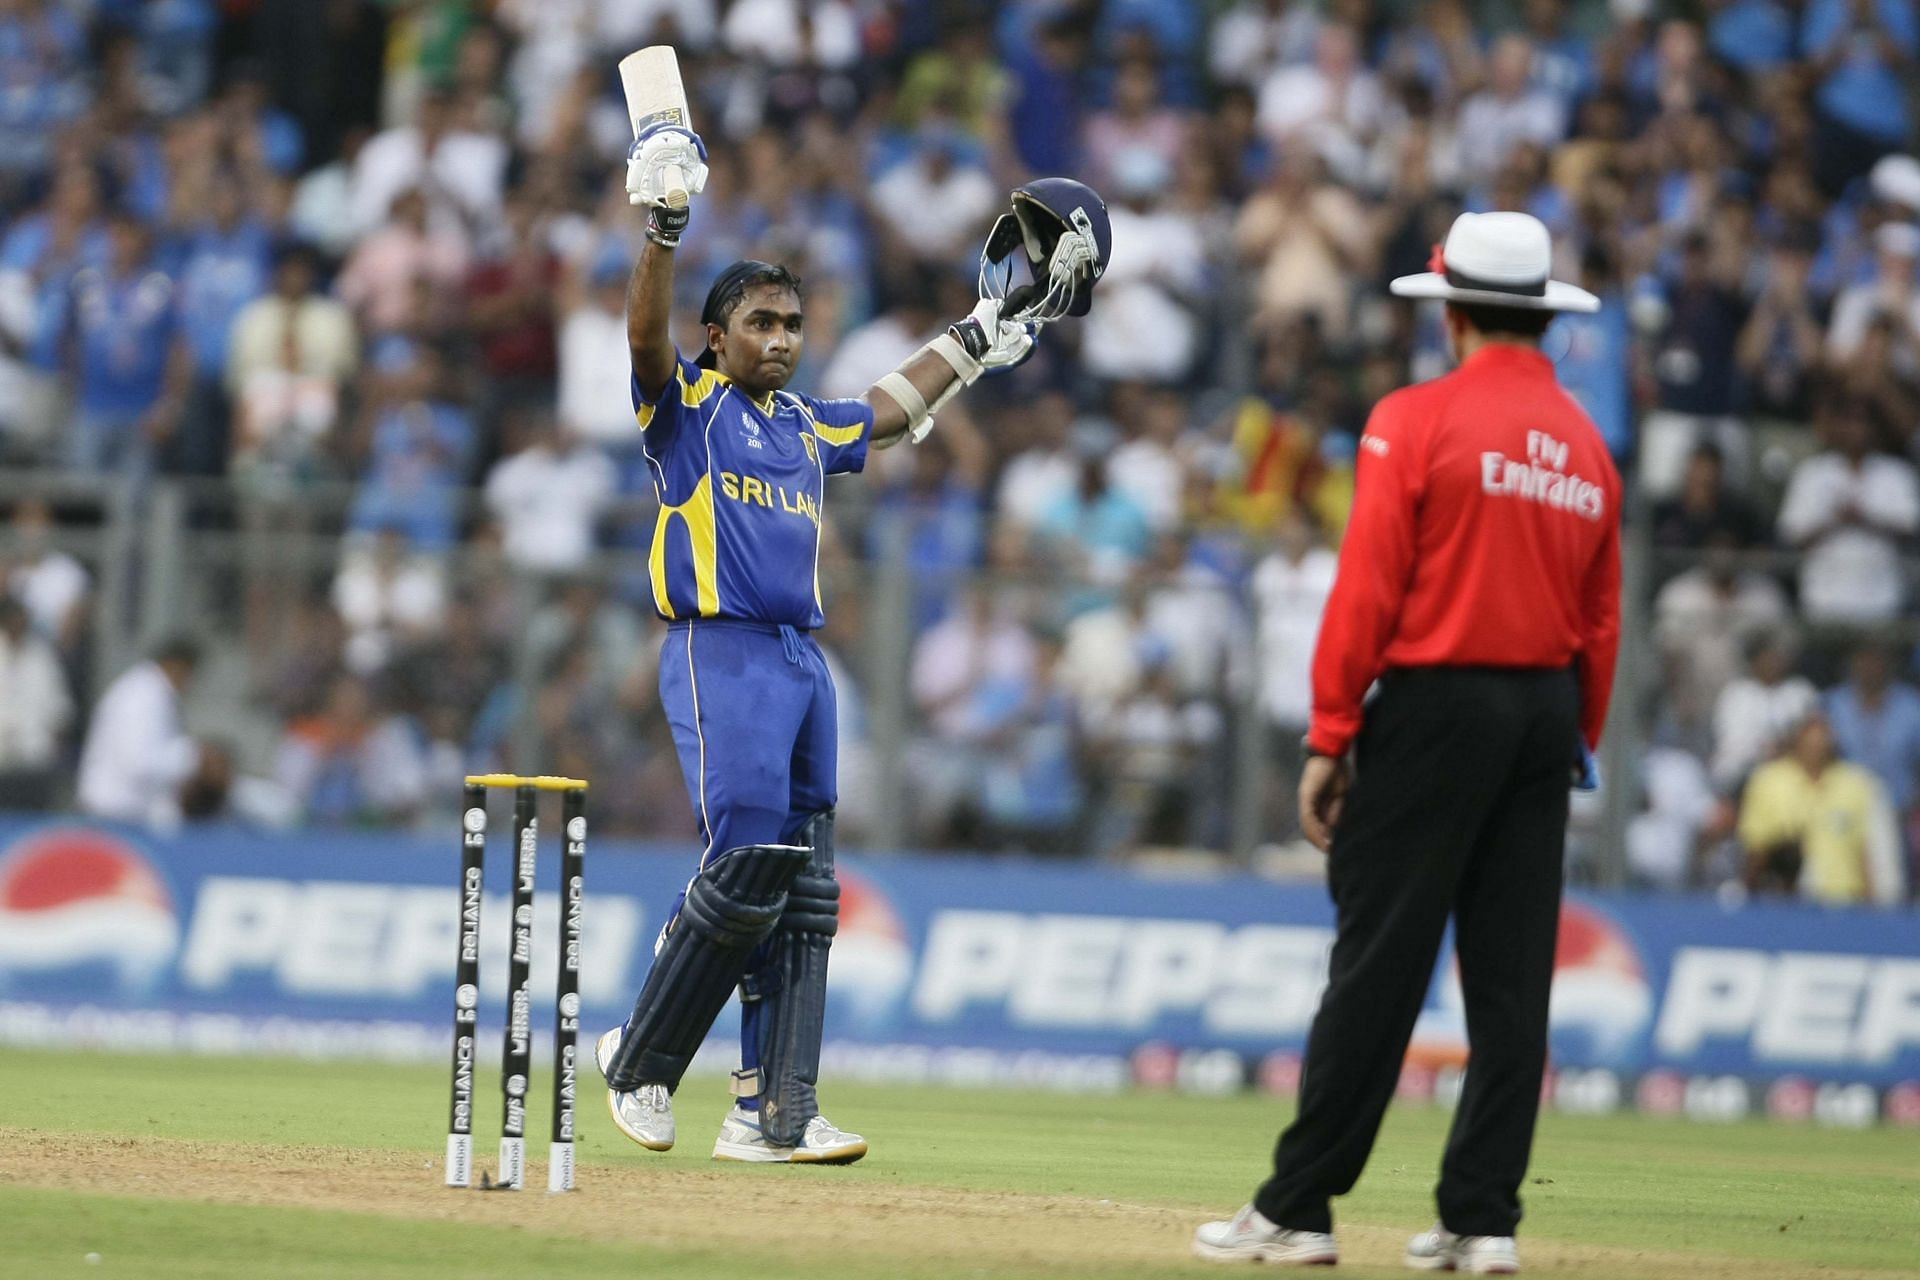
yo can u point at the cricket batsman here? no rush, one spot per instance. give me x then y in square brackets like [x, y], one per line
[740, 465]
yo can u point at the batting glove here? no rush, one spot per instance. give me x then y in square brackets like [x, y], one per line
[659, 148]
[997, 344]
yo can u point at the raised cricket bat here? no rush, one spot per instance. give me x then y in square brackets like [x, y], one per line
[651, 78]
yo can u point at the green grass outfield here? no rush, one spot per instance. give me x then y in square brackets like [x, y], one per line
[170, 1166]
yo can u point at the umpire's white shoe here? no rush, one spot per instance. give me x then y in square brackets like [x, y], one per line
[644, 1114]
[1249, 1237]
[1441, 1250]
[820, 1143]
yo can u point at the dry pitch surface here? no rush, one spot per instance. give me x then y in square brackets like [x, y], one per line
[179, 1167]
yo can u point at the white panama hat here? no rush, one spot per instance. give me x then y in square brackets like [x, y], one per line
[1496, 260]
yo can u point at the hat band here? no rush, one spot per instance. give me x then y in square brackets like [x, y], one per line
[1461, 280]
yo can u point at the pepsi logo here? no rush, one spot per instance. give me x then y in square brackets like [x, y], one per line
[1600, 992]
[78, 895]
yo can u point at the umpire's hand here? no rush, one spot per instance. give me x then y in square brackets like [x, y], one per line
[1323, 790]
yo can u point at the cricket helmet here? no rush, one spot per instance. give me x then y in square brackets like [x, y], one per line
[1061, 228]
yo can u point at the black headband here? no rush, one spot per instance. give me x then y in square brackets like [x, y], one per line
[729, 281]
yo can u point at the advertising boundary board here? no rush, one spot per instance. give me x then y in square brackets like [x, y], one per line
[969, 971]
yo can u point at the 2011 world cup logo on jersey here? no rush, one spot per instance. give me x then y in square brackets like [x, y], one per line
[753, 431]
[1542, 477]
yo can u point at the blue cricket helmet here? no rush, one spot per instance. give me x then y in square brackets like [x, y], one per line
[1061, 227]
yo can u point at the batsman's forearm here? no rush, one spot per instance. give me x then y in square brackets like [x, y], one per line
[650, 317]
[930, 375]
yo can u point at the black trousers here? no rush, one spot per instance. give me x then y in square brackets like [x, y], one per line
[1459, 808]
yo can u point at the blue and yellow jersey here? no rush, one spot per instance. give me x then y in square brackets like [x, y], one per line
[740, 485]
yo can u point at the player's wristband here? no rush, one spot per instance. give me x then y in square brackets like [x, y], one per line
[665, 226]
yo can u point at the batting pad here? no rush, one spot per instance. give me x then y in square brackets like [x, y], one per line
[791, 1017]
[730, 908]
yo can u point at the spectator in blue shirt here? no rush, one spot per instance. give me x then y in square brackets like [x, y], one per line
[1753, 35]
[227, 263]
[1876, 720]
[117, 328]
[1861, 50]
[1597, 365]
[419, 457]
[1049, 75]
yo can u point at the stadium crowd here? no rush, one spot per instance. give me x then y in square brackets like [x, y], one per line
[359, 268]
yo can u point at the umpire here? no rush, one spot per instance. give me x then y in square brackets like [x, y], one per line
[1479, 594]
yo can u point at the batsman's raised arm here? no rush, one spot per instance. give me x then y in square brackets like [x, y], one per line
[660, 158]
[905, 401]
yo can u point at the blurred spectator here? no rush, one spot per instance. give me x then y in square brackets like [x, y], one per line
[933, 207]
[1755, 712]
[1253, 37]
[1693, 368]
[1148, 467]
[1850, 510]
[36, 710]
[386, 595]
[137, 753]
[1333, 102]
[1290, 589]
[1137, 131]
[118, 329]
[1706, 511]
[1663, 842]
[351, 762]
[1098, 531]
[419, 444]
[1891, 293]
[596, 401]
[548, 494]
[510, 307]
[870, 352]
[290, 356]
[1508, 112]
[1819, 827]
[935, 514]
[1754, 35]
[1597, 369]
[1146, 325]
[50, 583]
[970, 672]
[225, 267]
[1781, 344]
[1156, 743]
[1876, 723]
[1043, 469]
[383, 279]
[1860, 49]
[1706, 615]
[461, 167]
[1048, 95]
[1031, 794]
[1305, 239]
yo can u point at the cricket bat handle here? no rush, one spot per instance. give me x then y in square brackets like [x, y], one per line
[673, 182]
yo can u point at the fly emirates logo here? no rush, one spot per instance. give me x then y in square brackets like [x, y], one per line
[1542, 477]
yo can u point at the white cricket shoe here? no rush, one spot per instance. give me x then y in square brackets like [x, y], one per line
[821, 1143]
[1249, 1237]
[644, 1114]
[1441, 1250]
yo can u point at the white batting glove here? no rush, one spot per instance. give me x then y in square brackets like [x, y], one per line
[997, 344]
[660, 148]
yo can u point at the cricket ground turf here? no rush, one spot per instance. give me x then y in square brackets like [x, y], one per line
[114, 1165]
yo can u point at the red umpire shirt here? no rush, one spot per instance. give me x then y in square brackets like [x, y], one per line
[1485, 532]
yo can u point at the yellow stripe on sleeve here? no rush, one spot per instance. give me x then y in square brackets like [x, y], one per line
[839, 436]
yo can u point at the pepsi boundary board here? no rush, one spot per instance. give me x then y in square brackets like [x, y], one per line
[229, 941]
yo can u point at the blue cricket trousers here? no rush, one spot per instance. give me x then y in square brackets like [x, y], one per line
[752, 710]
